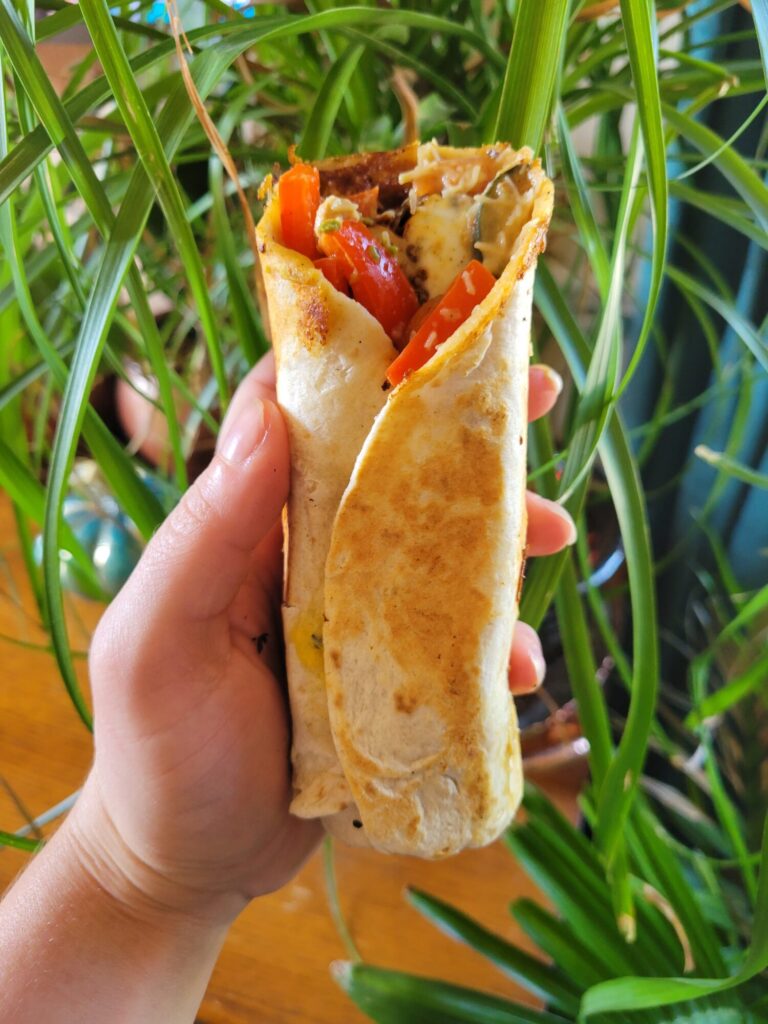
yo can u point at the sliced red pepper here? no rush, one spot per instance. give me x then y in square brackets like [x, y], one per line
[468, 289]
[367, 202]
[335, 271]
[375, 276]
[299, 192]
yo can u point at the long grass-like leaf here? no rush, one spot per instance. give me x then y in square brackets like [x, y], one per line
[731, 467]
[118, 256]
[532, 70]
[317, 134]
[642, 993]
[19, 842]
[142, 129]
[735, 168]
[639, 22]
[390, 997]
[594, 407]
[751, 680]
[743, 329]
[627, 494]
[542, 980]
[29, 494]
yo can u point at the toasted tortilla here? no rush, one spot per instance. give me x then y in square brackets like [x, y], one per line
[405, 530]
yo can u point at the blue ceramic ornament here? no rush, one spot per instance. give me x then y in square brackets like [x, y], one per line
[102, 528]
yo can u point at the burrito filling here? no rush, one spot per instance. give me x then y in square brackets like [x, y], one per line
[421, 254]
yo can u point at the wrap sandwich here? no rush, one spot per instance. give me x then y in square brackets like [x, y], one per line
[398, 289]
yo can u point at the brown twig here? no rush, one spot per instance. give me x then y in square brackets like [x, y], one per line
[211, 130]
[409, 104]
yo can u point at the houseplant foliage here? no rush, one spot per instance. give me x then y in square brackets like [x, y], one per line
[648, 117]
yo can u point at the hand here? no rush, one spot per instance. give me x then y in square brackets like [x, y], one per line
[190, 786]
[191, 725]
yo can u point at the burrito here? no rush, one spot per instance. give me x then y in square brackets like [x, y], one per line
[398, 292]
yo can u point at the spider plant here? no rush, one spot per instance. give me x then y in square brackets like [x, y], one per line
[648, 117]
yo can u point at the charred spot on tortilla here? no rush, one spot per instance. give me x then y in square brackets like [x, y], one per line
[314, 318]
[356, 823]
[406, 702]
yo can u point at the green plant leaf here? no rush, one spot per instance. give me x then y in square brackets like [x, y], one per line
[141, 126]
[547, 982]
[728, 311]
[751, 680]
[117, 258]
[332, 892]
[29, 494]
[731, 467]
[639, 20]
[735, 168]
[19, 842]
[532, 71]
[644, 993]
[594, 406]
[390, 997]
[317, 133]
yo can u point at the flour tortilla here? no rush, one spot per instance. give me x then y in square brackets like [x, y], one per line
[405, 531]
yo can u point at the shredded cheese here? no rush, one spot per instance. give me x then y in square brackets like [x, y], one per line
[448, 170]
[449, 314]
[335, 208]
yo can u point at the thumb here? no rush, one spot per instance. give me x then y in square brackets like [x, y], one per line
[197, 561]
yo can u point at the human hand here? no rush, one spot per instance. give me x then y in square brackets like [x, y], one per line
[188, 797]
[191, 769]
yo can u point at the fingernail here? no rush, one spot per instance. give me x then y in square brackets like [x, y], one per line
[539, 665]
[565, 515]
[243, 434]
[552, 377]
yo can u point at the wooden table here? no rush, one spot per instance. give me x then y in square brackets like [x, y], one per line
[274, 967]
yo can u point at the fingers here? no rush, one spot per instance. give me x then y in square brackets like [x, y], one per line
[550, 527]
[544, 386]
[258, 384]
[526, 661]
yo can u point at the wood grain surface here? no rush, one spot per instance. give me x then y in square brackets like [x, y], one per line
[274, 967]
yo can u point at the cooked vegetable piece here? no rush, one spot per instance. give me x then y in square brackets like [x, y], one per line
[503, 209]
[375, 276]
[469, 289]
[367, 202]
[438, 241]
[299, 192]
[335, 271]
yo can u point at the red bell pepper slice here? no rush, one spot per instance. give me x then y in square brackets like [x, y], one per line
[367, 202]
[468, 289]
[335, 271]
[375, 276]
[299, 193]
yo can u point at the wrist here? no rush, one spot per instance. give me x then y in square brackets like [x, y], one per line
[136, 889]
[86, 935]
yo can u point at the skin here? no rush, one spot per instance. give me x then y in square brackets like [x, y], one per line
[184, 818]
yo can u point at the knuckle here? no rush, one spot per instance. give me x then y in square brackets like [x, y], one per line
[198, 508]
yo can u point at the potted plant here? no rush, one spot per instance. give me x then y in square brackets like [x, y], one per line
[648, 118]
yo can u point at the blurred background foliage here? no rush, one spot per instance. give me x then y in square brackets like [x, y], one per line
[128, 314]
